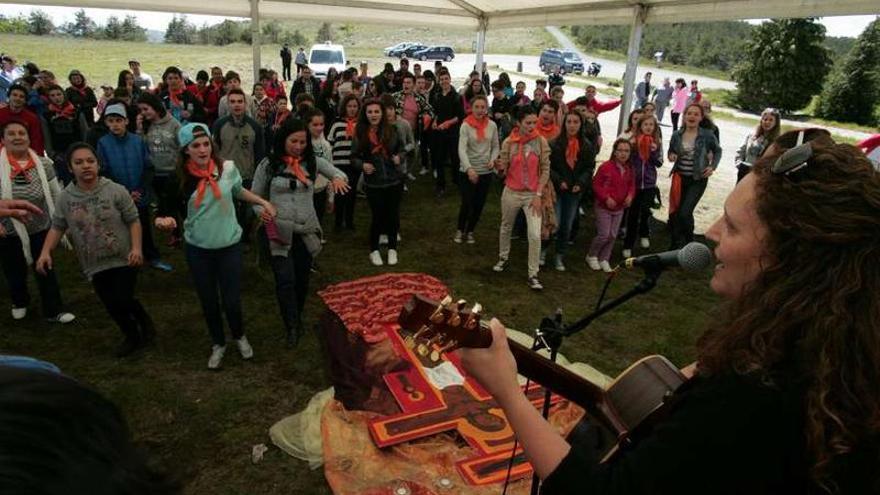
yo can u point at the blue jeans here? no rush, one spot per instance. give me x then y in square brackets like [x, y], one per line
[566, 211]
[213, 270]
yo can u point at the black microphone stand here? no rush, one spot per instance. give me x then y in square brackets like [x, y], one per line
[551, 332]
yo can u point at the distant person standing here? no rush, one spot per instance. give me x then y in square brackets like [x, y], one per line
[9, 73]
[301, 60]
[679, 102]
[286, 59]
[142, 80]
[694, 95]
[643, 91]
[662, 97]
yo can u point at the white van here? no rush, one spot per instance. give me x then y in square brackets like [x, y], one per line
[325, 55]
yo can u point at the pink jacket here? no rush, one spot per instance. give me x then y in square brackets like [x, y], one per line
[613, 182]
[679, 99]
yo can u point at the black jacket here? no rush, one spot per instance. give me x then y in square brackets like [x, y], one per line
[84, 102]
[300, 87]
[387, 174]
[582, 174]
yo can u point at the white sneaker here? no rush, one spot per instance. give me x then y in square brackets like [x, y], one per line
[19, 313]
[410, 176]
[392, 257]
[627, 253]
[458, 237]
[376, 258]
[470, 238]
[216, 358]
[423, 171]
[606, 267]
[593, 263]
[62, 318]
[500, 266]
[244, 347]
[560, 265]
[645, 242]
[383, 240]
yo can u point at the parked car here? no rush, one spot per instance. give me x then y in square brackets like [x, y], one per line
[388, 51]
[567, 61]
[574, 62]
[435, 53]
[408, 51]
[325, 55]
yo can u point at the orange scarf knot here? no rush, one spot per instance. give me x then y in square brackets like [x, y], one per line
[206, 177]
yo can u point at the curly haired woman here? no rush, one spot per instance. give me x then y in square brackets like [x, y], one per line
[784, 396]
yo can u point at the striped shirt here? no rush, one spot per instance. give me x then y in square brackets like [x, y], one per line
[31, 189]
[341, 144]
[686, 159]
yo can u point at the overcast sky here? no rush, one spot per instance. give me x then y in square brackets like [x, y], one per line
[837, 26]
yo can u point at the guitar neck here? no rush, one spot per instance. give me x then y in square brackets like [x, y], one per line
[564, 382]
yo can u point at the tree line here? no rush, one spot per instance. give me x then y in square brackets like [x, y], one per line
[39, 23]
[183, 32]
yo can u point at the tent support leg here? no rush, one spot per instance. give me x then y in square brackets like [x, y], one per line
[255, 38]
[632, 63]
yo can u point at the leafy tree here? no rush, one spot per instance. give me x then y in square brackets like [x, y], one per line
[82, 26]
[113, 29]
[325, 33]
[180, 31]
[272, 31]
[132, 31]
[39, 23]
[853, 90]
[294, 39]
[784, 67]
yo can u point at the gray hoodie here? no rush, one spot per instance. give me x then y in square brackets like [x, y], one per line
[161, 138]
[97, 222]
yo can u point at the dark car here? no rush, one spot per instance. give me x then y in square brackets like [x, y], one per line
[567, 61]
[389, 51]
[435, 53]
[408, 51]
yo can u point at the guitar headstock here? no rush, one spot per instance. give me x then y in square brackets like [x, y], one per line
[443, 326]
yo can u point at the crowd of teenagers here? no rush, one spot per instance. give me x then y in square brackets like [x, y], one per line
[213, 166]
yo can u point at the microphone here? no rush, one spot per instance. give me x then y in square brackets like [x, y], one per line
[693, 257]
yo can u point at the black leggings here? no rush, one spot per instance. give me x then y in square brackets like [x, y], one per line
[292, 282]
[674, 116]
[638, 218]
[344, 203]
[385, 205]
[115, 289]
[473, 199]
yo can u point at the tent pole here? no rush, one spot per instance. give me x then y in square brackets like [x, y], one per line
[481, 44]
[632, 63]
[255, 38]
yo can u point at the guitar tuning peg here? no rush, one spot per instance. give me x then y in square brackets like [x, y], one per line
[435, 356]
[446, 300]
[477, 309]
[422, 350]
[409, 341]
[448, 346]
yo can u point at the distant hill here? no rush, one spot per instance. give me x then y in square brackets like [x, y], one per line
[711, 45]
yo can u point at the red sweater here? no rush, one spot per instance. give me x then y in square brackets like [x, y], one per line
[598, 106]
[30, 119]
[615, 182]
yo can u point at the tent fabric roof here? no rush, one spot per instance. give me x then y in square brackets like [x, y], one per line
[495, 13]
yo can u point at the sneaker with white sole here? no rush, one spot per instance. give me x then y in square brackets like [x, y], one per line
[593, 263]
[410, 176]
[63, 318]
[606, 267]
[645, 242]
[470, 238]
[627, 253]
[376, 258]
[458, 237]
[216, 359]
[244, 347]
[500, 266]
[560, 265]
[19, 313]
[535, 284]
[392, 257]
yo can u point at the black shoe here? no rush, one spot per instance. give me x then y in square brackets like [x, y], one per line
[127, 348]
[292, 338]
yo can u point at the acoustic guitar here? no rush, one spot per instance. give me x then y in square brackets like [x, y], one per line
[627, 409]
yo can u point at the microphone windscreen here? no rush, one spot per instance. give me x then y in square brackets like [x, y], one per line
[694, 257]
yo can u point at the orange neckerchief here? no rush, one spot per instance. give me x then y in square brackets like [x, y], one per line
[572, 150]
[349, 126]
[674, 194]
[293, 165]
[478, 124]
[17, 168]
[643, 144]
[206, 177]
[378, 145]
[174, 96]
[519, 138]
[66, 111]
[548, 131]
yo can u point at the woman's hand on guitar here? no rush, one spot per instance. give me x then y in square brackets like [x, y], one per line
[494, 367]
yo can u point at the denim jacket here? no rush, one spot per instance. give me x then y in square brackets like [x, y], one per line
[703, 144]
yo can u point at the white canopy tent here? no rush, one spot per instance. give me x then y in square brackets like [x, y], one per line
[482, 15]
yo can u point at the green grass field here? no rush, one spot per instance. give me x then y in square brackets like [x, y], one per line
[202, 424]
